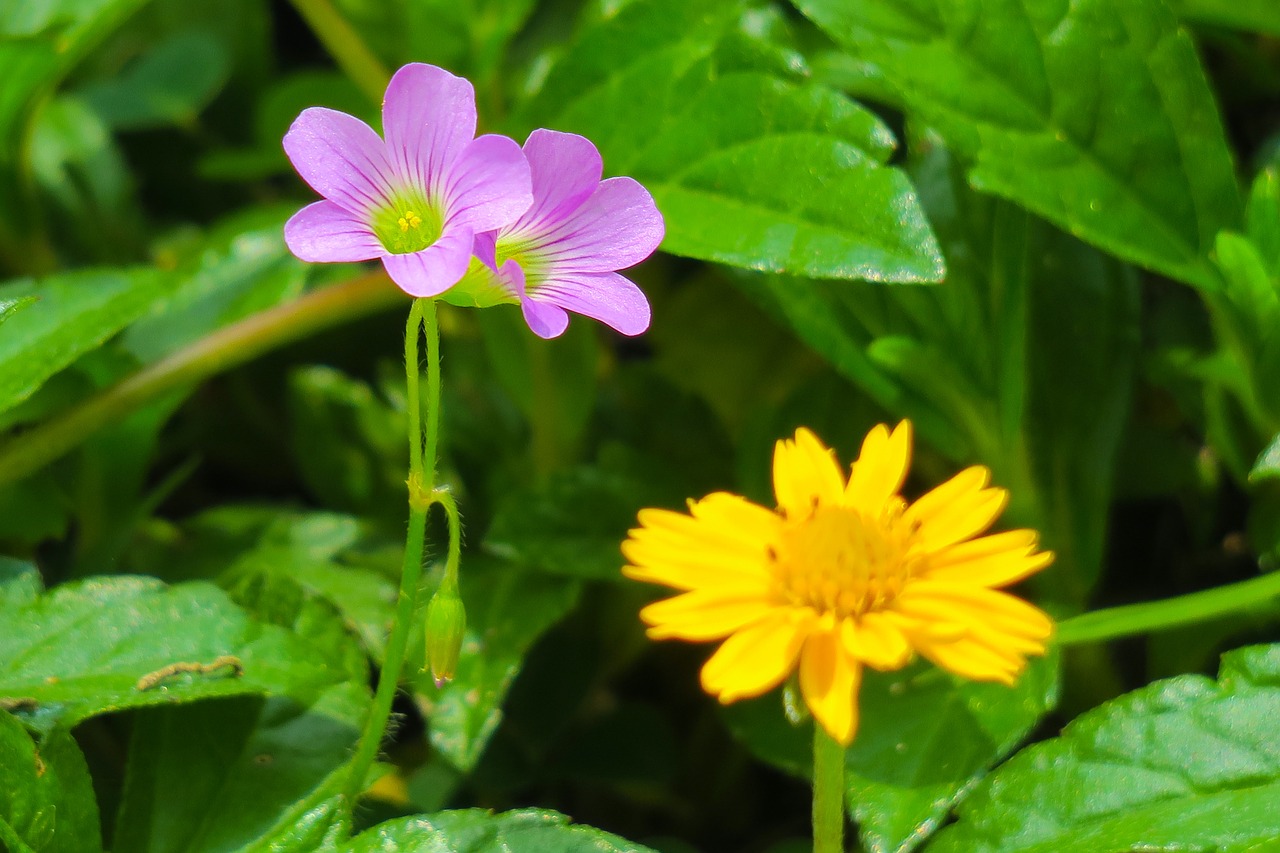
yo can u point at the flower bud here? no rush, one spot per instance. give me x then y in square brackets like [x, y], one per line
[446, 625]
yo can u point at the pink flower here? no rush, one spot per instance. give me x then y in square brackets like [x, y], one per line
[563, 253]
[417, 200]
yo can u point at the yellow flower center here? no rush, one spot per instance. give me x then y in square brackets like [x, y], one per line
[839, 561]
[408, 224]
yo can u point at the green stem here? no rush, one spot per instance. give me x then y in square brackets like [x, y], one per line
[226, 348]
[828, 792]
[1114, 622]
[444, 498]
[345, 46]
[421, 489]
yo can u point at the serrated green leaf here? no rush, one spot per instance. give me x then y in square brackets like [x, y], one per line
[227, 787]
[479, 831]
[924, 739]
[75, 312]
[1097, 116]
[114, 643]
[1186, 763]
[508, 608]
[747, 169]
[46, 795]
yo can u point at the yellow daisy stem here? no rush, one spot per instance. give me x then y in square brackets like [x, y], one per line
[828, 792]
[422, 493]
[1114, 622]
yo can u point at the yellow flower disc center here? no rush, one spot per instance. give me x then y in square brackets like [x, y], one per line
[408, 224]
[838, 561]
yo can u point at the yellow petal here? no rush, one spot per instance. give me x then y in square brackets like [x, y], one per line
[957, 510]
[881, 468]
[805, 473]
[981, 606]
[829, 681]
[691, 569]
[970, 658]
[758, 658]
[701, 615]
[996, 560]
[875, 641]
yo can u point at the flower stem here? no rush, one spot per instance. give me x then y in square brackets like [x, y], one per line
[1113, 622]
[421, 495]
[222, 350]
[828, 792]
[345, 46]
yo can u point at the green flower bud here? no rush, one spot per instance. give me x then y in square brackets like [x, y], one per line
[446, 625]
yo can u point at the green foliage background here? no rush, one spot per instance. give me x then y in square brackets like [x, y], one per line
[1047, 232]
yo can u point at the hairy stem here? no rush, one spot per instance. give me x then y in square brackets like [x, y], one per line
[422, 467]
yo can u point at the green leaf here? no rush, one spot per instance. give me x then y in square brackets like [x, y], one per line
[39, 43]
[574, 524]
[346, 442]
[168, 85]
[114, 643]
[1186, 763]
[747, 169]
[508, 608]
[1097, 116]
[75, 313]
[1253, 15]
[1267, 467]
[479, 831]
[229, 786]
[11, 306]
[923, 741]
[46, 795]
[77, 163]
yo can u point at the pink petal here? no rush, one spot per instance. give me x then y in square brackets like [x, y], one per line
[545, 319]
[323, 232]
[488, 185]
[607, 297]
[429, 116]
[340, 157]
[486, 249]
[566, 170]
[436, 268]
[618, 227]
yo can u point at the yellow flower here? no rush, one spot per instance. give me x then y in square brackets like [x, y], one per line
[845, 574]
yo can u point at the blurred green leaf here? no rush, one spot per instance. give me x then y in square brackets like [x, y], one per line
[574, 524]
[228, 787]
[1254, 15]
[75, 313]
[113, 643]
[924, 740]
[479, 831]
[46, 795]
[1098, 117]
[39, 43]
[1186, 763]
[747, 169]
[168, 85]
[553, 382]
[348, 444]
[1262, 218]
[9, 307]
[508, 608]
[77, 163]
